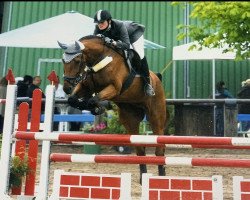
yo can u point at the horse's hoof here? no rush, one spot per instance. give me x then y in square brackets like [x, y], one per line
[97, 111]
[93, 101]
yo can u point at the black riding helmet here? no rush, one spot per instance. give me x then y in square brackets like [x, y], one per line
[101, 16]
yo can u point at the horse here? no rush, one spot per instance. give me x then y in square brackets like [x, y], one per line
[95, 72]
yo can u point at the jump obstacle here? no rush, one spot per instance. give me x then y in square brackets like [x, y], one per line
[8, 134]
[171, 187]
[91, 186]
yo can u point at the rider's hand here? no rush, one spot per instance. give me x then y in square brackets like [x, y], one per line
[114, 43]
[108, 40]
[100, 35]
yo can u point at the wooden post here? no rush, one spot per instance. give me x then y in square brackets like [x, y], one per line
[230, 118]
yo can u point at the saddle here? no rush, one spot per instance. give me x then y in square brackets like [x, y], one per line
[133, 62]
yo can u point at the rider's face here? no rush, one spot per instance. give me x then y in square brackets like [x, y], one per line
[103, 25]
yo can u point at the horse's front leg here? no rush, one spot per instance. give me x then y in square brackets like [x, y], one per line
[94, 103]
[79, 97]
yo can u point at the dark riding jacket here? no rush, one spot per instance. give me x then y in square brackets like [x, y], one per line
[123, 32]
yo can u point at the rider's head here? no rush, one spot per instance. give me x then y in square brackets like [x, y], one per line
[102, 18]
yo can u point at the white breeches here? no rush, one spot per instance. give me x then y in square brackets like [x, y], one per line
[138, 46]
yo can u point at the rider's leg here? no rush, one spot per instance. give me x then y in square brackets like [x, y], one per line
[149, 90]
[138, 46]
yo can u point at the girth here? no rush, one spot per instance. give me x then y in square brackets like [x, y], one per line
[133, 70]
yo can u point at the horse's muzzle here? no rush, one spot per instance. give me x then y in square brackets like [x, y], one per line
[67, 90]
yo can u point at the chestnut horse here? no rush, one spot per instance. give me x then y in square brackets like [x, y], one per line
[89, 82]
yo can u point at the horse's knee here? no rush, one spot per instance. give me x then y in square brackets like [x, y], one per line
[93, 102]
[98, 110]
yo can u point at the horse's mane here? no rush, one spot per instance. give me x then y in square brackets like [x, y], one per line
[90, 37]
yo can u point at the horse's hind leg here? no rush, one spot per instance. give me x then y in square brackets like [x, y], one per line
[131, 117]
[158, 120]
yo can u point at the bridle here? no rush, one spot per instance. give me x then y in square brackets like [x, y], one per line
[75, 80]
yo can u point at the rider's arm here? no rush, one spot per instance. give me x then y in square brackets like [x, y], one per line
[123, 42]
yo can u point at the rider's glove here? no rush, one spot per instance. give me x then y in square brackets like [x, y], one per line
[100, 35]
[108, 40]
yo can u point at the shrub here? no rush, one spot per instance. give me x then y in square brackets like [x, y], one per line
[18, 169]
[113, 124]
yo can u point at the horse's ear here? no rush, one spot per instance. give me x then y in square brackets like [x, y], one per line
[63, 46]
[79, 45]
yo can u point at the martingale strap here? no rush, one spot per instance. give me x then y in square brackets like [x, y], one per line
[128, 81]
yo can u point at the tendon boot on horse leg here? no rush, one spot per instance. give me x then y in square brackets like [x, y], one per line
[143, 169]
[94, 106]
[140, 151]
[161, 170]
[160, 151]
[79, 103]
[149, 90]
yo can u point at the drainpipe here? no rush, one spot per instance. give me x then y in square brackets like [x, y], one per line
[6, 48]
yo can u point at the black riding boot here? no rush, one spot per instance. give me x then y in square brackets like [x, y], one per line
[149, 90]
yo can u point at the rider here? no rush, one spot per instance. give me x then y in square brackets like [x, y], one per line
[121, 34]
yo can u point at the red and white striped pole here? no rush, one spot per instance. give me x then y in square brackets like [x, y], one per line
[153, 160]
[134, 139]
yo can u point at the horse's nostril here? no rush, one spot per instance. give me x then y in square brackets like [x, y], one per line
[67, 90]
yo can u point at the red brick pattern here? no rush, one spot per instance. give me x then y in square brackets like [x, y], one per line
[245, 196]
[90, 187]
[169, 188]
[245, 189]
[159, 183]
[70, 180]
[245, 186]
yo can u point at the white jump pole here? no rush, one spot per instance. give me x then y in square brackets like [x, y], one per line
[8, 129]
[45, 157]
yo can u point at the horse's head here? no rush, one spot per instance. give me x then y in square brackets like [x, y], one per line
[73, 64]
[77, 55]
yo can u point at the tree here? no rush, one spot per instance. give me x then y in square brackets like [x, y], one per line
[220, 24]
